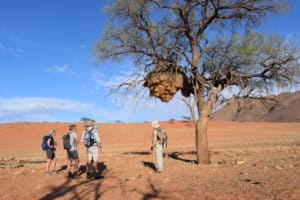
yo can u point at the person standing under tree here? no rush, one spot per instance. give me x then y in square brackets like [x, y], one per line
[159, 142]
[91, 139]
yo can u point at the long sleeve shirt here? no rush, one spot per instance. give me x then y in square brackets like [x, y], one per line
[154, 138]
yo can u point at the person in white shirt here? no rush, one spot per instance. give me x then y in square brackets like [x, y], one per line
[92, 141]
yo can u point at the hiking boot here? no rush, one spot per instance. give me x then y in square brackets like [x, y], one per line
[98, 175]
[89, 175]
[70, 175]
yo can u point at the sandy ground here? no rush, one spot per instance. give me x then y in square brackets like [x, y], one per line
[249, 161]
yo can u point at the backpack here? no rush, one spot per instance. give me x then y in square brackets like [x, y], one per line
[45, 145]
[161, 136]
[89, 138]
[67, 142]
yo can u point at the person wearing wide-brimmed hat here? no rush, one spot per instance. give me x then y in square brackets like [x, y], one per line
[92, 141]
[158, 143]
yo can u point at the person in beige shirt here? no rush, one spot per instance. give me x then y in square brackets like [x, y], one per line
[159, 142]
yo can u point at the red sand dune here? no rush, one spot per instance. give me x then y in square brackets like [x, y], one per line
[281, 108]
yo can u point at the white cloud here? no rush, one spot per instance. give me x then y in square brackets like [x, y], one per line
[63, 69]
[11, 49]
[17, 50]
[55, 109]
[101, 80]
[32, 108]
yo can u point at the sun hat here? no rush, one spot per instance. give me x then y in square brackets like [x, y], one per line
[155, 124]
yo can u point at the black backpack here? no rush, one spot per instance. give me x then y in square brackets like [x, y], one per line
[67, 142]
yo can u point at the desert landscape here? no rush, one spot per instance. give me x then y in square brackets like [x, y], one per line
[250, 160]
[229, 71]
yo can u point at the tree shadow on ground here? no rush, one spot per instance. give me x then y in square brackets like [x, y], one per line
[150, 165]
[156, 192]
[176, 155]
[137, 153]
[91, 186]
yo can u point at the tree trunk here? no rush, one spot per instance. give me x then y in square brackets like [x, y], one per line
[204, 111]
[201, 139]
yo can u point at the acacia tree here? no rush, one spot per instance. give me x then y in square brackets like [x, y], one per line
[190, 103]
[172, 45]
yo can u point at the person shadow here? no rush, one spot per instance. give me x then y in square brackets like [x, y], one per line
[101, 167]
[62, 168]
[150, 165]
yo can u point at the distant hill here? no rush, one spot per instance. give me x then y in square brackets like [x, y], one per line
[281, 108]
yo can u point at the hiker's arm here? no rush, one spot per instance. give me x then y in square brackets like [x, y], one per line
[82, 136]
[166, 141]
[76, 138]
[97, 137]
[48, 142]
[153, 139]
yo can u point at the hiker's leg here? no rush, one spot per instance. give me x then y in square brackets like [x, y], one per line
[159, 157]
[89, 160]
[95, 166]
[73, 156]
[69, 164]
[76, 164]
[47, 165]
[88, 165]
[54, 164]
[70, 175]
[88, 169]
[95, 150]
[49, 159]
[96, 163]
[75, 160]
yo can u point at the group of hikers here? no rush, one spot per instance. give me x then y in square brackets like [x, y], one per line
[91, 139]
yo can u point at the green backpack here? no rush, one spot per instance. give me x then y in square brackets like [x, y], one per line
[162, 137]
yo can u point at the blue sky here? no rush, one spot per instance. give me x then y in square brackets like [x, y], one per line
[48, 71]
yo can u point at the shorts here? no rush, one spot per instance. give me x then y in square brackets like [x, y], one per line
[93, 153]
[50, 154]
[73, 154]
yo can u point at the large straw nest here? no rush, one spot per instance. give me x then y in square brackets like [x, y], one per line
[165, 80]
